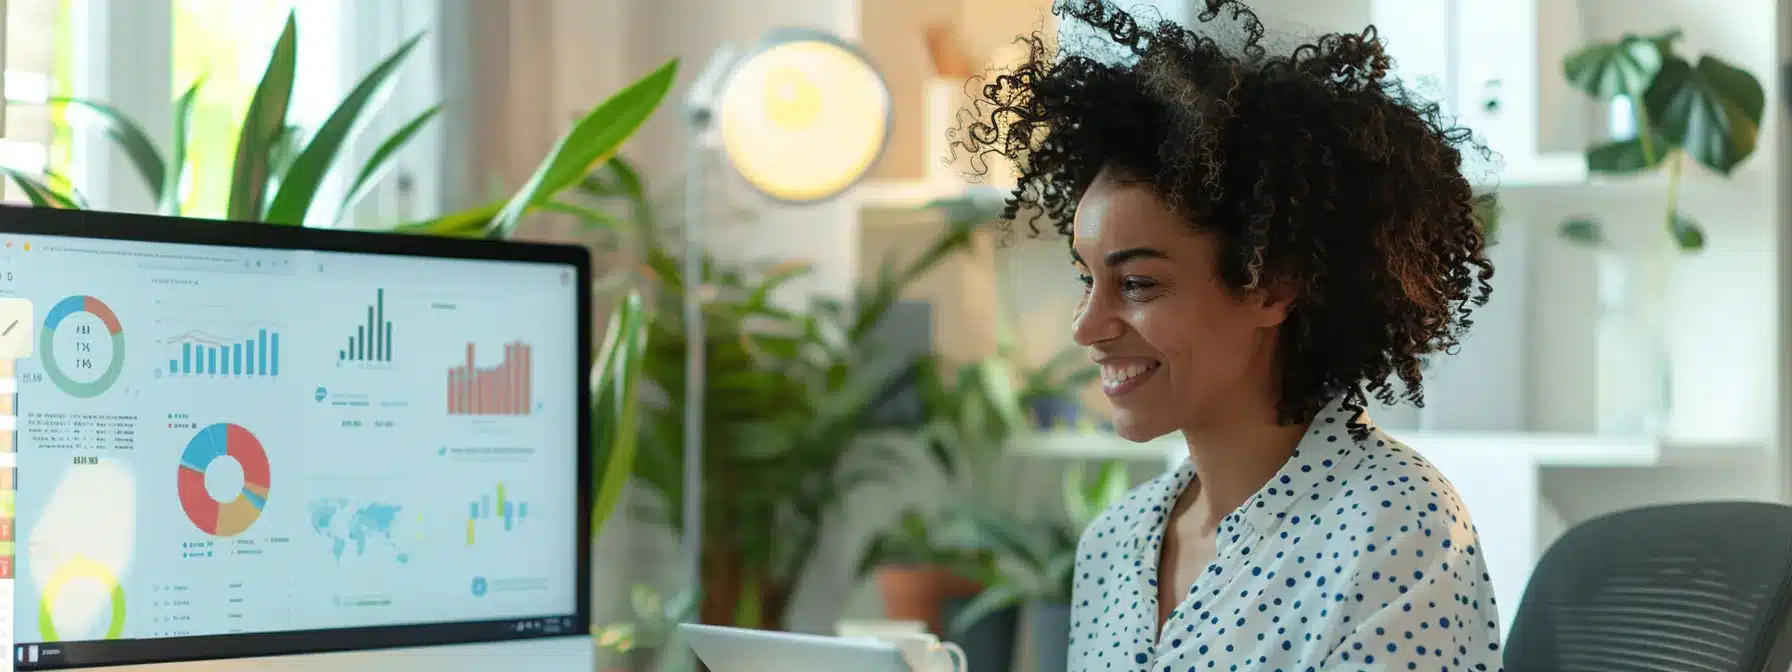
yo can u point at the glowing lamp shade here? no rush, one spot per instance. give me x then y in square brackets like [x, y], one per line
[804, 117]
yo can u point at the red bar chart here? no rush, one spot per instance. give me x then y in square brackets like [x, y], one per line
[502, 389]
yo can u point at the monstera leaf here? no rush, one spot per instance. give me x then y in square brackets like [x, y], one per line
[1625, 67]
[1712, 110]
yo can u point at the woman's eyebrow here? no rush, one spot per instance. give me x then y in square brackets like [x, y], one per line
[1118, 257]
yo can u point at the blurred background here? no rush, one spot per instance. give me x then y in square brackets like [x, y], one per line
[1633, 352]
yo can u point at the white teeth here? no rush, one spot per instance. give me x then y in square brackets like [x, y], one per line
[1116, 374]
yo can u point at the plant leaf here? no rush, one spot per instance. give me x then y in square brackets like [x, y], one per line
[594, 139]
[469, 223]
[620, 363]
[1583, 231]
[380, 162]
[130, 137]
[1711, 111]
[40, 194]
[1607, 70]
[262, 126]
[1688, 235]
[1627, 157]
[992, 600]
[298, 187]
[168, 201]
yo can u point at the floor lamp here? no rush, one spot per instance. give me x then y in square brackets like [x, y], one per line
[801, 118]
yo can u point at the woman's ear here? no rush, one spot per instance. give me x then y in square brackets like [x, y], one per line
[1273, 303]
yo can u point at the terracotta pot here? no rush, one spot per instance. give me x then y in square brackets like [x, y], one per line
[919, 593]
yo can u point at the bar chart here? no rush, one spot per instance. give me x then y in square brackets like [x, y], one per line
[497, 390]
[372, 341]
[201, 354]
[510, 511]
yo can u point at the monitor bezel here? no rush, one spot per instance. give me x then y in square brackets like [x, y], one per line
[91, 224]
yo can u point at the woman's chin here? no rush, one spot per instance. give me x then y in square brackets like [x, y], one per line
[1136, 429]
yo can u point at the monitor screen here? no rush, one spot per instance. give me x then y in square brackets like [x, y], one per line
[228, 451]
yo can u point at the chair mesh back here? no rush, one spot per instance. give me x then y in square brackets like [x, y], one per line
[1683, 588]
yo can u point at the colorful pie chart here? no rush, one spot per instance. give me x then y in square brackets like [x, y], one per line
[226, 518]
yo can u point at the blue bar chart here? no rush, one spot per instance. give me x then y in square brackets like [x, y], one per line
[200, 354]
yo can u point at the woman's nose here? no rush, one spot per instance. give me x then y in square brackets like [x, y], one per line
[1094, 322]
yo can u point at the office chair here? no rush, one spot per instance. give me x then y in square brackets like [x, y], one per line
[1701, 587]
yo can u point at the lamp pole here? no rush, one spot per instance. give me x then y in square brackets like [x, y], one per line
[699, 108]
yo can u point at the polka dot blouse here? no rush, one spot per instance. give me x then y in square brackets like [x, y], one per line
[1355, 556]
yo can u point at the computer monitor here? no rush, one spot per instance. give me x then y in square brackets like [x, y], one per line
[238, 443]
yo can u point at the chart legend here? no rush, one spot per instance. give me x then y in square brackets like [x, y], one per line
[372, 341]
[510, 511]
[496, 390]
[197, 354]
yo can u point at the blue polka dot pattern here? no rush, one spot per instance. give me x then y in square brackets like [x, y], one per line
[1356, 556]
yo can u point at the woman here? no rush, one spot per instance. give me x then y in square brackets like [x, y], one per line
[1265, 240]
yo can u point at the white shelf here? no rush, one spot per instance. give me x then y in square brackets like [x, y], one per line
[1095, 446]
[1541, 449]
[1549, 170]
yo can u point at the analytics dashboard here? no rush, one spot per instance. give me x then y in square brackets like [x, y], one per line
[230, 441]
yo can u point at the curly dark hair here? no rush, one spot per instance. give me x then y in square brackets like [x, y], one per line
[1314, 169]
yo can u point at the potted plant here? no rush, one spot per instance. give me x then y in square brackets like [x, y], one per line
[787, 420]
[1667, 111]
[1049, 393]
[642, 640]
[919, 565]
[1035, 562]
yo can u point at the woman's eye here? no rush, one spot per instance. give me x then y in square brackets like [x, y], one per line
[1087, 280]
[1133, 285]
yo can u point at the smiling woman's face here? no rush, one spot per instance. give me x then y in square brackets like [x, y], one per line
[1176, 348]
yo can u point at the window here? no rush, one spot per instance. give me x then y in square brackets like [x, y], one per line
[105, 50]
[38, 67]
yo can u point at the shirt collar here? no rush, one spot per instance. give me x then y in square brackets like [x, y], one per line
[1326, 444]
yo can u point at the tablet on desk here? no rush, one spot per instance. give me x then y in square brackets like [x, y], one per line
[742, 650]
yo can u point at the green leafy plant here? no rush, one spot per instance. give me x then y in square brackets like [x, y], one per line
[946, 539]
[279, 169]
[786, 415]
[1035, 560]
[1060, 376]
[1709, 112]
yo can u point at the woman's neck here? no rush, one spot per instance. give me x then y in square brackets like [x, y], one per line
[1235, 458]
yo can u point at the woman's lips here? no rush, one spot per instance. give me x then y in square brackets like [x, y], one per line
[1121, 376]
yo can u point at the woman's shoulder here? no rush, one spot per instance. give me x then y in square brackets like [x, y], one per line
[1388, 469]
[1141, 509]
[1392, 489]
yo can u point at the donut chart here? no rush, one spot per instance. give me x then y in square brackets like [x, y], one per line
[223, 519]
[77, 568]
[46, 344]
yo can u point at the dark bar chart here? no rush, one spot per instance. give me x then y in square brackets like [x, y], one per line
[372, 341]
